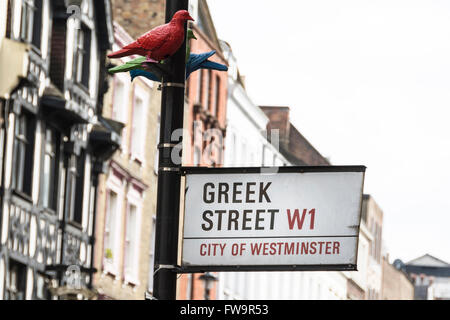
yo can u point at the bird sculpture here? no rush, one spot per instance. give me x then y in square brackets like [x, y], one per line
[155, 71]
[159, 43]
[142, 64]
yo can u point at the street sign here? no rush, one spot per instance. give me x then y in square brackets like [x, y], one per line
[301, 218]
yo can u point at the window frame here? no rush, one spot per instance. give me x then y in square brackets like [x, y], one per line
[20, 286]
[138, 126]
[82, 55]
[151, 254]
[22, 171]
[121, 114]
[53, 182]
[135, 199]
[27, 10]
[114, 184]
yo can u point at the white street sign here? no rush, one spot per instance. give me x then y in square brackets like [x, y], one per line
[301, 218]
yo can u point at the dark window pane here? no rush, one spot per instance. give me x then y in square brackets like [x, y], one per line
[24, 153]
[37, 24]
[86, 57]
[16, 283]
[79, 196]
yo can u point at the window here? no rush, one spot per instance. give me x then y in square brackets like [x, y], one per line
[50, 169]
[26, 25]
[83, 55]
[112, 214]
[8, 20]
[37, 24]
[79, 191]
[151, 265]
[75, 187]
[42, 292]
[16, 282]
[137, 129]
[215, 110]
[120, 104]
[208, 92]
[24, 153]
[132, 244]
[200, 87]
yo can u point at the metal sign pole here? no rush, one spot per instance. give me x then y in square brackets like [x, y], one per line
[169, 179]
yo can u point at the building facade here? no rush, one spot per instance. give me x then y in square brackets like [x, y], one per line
[367, 282]
[397, 284]
[204, 119]
[372, 219]
[54, 142]
[127, 194]
[430, 275]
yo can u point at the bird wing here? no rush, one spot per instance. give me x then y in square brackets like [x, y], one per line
[130, 65]
[196, 59]
[143, 73]
[213, 66]
[155, 38]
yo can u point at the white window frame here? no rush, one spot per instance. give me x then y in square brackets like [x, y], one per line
[120, 109]
[137, 146]
[115, 185]
[131, 273]
[151, 254]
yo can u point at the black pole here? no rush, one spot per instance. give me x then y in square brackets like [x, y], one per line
[168, 201]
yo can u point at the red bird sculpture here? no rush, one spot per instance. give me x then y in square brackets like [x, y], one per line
[159, 43]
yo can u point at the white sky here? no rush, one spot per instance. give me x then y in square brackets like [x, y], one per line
[368, 83]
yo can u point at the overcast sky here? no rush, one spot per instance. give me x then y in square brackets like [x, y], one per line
[368, 83]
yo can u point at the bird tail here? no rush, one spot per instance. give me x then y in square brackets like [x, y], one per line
[124, 53]
[214, 66]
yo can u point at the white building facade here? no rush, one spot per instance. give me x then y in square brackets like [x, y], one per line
[246, 145]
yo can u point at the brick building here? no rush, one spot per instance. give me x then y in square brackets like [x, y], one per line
[293, 145]
[397, 284]
[127, 195]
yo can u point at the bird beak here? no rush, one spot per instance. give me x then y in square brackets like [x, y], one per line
[190, 18]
